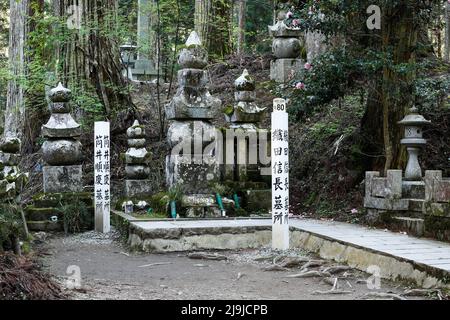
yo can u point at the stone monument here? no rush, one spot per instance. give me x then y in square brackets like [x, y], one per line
[63, 172]
[287, 47]
[192, 164]
[138, 62]
[244, 139]
[62, 149]
[412, 202]
[136, 158]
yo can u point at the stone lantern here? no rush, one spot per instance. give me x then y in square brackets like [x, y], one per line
[413, 141]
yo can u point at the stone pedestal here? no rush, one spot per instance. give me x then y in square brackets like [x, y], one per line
[63, 178]
[283, 70]
[137, 188]
[191, 176]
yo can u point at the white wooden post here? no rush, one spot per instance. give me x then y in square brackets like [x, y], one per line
[102, 178]
[280, 175]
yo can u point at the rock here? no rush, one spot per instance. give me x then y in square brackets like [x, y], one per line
[10, 144]
[62, 152]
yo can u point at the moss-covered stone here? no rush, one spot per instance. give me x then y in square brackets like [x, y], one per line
[48, 200]
[437, 227]
[45, 226]
[41, 214]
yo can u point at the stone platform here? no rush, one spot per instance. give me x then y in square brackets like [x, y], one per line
[422, 261]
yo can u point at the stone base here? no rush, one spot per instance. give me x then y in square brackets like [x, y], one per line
[282, 70]
[192, 177]
[204, 206]
[59, 179]
[138, 188]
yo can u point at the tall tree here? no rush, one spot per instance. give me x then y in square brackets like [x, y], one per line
[15, 102]
[90, 56]
[242, 11]
[447, 31]
[213, 23]
[393, 93]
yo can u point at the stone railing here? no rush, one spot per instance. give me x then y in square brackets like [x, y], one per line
[437, 194]
[385, 193]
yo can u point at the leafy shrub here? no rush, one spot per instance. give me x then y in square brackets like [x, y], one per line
[11, 226]
[76, 216]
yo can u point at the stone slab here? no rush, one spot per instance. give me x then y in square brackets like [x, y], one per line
[59, 179]
[138, 188]
[283, 70]
[421, 260]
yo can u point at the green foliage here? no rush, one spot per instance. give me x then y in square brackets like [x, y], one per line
[76, 216]
[11, 225]
[259, 15]
[175, 193]
[332, 75]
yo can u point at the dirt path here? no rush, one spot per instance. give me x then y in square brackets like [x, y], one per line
[108, 271]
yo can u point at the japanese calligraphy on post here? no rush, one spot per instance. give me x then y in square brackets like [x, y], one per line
[280, 176]
[102, 177]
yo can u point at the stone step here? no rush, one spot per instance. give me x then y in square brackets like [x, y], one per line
[413, 189]
[45, 226]
[41, 214]
[47, 200]
[412, 226]
[416, 205]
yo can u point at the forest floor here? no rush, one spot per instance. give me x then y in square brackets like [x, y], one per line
[109, 271]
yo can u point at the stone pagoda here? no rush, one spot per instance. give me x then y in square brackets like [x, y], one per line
[137, 170]
[286, 47]
[411, 201]
[63, 172]
[244, 175]
[192, 164]
[62, 149]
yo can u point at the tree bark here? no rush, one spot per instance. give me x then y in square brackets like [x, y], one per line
[201, 17]
[91, 57]
[213, 25]
[447, 32]
[15, 101]
[390, 99]
[241, 25]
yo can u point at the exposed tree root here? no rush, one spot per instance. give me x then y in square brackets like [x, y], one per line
[206, 256]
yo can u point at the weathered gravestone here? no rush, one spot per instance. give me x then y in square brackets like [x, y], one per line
[246, 152]
[192, 164]
[63, 172]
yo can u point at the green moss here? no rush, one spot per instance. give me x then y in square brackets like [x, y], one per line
[122, 225]
[228, 110]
